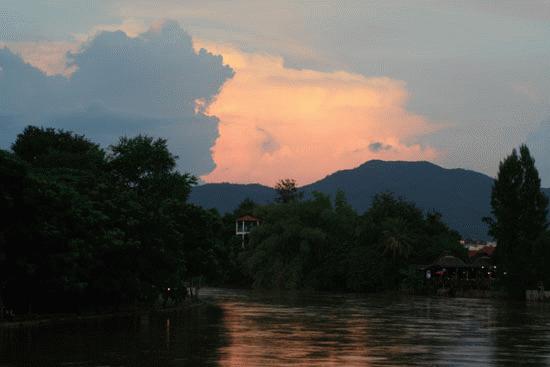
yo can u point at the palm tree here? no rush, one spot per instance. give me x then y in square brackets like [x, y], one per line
[397, 237]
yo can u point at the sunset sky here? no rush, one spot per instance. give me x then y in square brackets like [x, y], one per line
[254, 91]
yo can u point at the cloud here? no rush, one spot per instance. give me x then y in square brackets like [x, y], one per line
[26, 91]
[50, 57]
[123, 85]
[487, 94]
[189, 137]
[314, 122]
[47, 56]
[156, 74]
[538, 143]
[268, 144]
[378, 147]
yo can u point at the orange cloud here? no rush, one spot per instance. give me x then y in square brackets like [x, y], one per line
[47, 56]
[50, 56]
[277, 122]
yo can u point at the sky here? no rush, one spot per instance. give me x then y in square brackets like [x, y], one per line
[248, 91]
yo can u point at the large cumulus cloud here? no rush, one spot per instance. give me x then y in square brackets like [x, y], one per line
[154, 83]
[278, 122]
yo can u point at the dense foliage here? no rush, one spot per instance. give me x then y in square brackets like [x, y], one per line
[87, 227]
[84, 227]
[519, 223]
[287, 191]
[323, 244]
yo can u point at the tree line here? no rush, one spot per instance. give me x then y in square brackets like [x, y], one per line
[321, 243]
[87, 227]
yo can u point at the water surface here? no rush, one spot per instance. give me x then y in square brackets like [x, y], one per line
[298, 329]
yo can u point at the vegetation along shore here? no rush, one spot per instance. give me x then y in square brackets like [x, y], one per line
[93, 229]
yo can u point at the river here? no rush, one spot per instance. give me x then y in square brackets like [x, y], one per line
[248, 328]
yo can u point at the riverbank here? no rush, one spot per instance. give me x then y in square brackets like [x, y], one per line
[459, 293]
[49, 319]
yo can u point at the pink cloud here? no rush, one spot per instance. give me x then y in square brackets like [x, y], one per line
[277, 122]
[47, 56]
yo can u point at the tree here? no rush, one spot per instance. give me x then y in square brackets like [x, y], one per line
[156, 218]
[147, 166]
[287, 191]
[397, 237]
[519, 211]
[246, 207]
[542, 258]
[51, 148]
[86, 228]
[392, 236]
[14, 225]
[59, 205]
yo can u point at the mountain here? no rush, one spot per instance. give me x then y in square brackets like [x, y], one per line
[461, 196]
[226, 196]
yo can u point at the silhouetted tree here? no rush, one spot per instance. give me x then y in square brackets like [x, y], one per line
[86, 228]
[519, 211]
[51, 148]
[246, 207]
[287, 191]
[319, 244]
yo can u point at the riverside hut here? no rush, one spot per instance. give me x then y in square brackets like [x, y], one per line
[454, 276]
[448, 265]
[483, 267]
[446, 271]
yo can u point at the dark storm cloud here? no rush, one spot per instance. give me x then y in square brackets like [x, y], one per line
[157, 73]
[123, 86]
[26, 91]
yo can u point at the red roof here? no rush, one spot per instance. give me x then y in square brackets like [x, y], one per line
[488, 250]
[247, 218]
[485, 250]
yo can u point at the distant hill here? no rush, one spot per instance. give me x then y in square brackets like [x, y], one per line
[461, 196]
[226, 196]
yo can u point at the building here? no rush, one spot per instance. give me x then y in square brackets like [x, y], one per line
[245, 224]
[478, 248]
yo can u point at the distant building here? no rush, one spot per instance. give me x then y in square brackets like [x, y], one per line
[480, 251]
[449, 274]
[244, 224]
[478, 248]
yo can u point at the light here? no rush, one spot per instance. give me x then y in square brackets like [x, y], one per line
[168, 289]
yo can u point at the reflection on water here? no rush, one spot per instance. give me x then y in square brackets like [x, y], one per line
[188, 338]
[274, 329]
[347, 330]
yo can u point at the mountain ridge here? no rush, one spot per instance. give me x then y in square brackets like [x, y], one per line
[462, 196]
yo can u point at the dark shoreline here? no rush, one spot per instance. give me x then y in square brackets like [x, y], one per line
[49, 319]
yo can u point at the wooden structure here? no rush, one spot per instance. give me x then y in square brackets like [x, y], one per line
[245, 224]
[451, 274]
